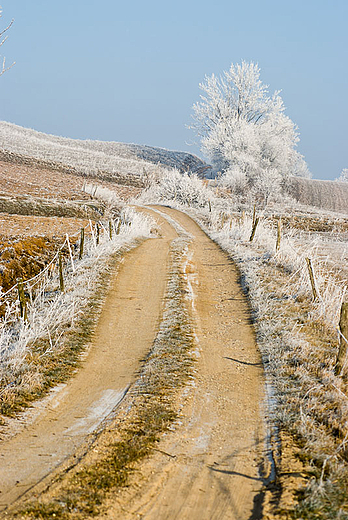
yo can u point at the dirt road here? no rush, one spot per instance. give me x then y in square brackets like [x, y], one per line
[213, 471]
[208, 467]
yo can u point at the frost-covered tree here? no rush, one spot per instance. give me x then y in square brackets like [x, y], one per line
[344, 176]
[3, 38]
[245, 132]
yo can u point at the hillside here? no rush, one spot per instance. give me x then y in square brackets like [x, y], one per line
[107, 160]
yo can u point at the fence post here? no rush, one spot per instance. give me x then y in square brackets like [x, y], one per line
[60, 264]
[118, 227]
[110, 229]
[253, 231]
[82, 241]
[279, 233]
[22, 300]
[70, 253]
[254, 214]
[311, 277]
[92, 232]
[341, 362]
[98, 233]
[209, 204]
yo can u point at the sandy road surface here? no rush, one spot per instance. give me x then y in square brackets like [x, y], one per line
[215, 453]
[208, 467]
[125, 332]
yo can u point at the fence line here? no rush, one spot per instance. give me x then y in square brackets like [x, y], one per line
[38, 277]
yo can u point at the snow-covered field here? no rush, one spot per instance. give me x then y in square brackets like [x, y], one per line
[94, 158]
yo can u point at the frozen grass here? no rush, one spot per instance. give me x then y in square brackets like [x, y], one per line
[32, 349]
[297, 336]
[106, 195]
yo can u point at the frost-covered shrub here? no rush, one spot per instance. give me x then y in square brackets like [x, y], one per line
[344, 176]
[181, 188]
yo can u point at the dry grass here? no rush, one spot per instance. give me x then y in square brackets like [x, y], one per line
[51, 208]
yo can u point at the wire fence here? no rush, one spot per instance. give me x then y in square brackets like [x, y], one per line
[41, 306]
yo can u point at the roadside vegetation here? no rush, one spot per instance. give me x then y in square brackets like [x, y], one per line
[47, 318]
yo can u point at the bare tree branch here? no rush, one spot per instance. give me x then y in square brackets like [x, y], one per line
[3, 67]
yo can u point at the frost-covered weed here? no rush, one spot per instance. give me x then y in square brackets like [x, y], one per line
[103, 194]
[181, 188]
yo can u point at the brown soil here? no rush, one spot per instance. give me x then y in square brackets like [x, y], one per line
[22, 179]
[209, 466]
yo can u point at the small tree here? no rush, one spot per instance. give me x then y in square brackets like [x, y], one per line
[245, 132]
[3, 38]
[344, 176]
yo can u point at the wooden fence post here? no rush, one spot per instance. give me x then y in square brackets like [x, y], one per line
[118, 227]
[92, 232]
[22, 300]
[311, 277]
[98, 233]
[82, 241]
[253, 231]
[70, 253]
[279, 233]
[254, 214]
[110, 229]
[342, 361]
[60, 265]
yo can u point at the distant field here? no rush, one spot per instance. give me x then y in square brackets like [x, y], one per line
[107, 160]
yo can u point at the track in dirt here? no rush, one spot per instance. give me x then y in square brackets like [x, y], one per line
[217, 448]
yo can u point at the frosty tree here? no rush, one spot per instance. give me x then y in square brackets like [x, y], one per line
[344, 176]
[245, 132]
[3, 38]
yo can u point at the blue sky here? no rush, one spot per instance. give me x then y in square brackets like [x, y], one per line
[129, 72]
